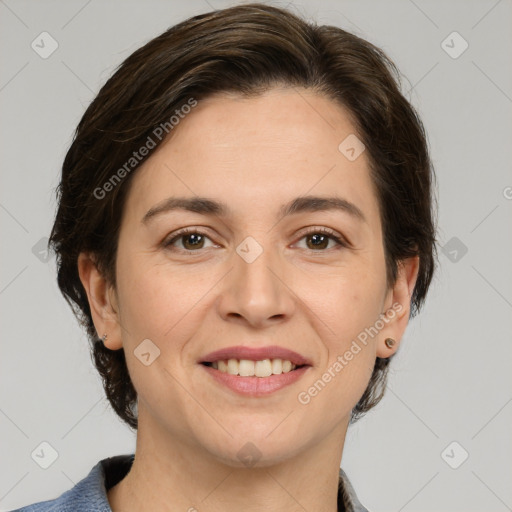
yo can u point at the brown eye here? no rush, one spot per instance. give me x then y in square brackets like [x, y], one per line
[191, 240]
[319, 239]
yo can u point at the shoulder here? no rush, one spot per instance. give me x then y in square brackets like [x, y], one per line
[90, 494]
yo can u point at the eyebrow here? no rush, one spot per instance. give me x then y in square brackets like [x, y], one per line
[207, 206]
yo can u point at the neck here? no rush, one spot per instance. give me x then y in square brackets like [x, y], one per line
[171, 473]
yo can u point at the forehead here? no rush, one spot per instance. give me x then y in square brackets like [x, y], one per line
[256, 152]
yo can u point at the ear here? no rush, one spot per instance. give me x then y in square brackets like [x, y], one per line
[102, 301]
[398, 306]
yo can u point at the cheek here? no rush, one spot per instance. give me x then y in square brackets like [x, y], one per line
[340, 381]
[159, 302]
[348, 304]
[348, 299]
[165, 307]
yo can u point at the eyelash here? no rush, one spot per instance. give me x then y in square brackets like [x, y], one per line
[316, 231]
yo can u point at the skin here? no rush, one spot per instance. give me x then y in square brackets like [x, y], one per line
[254, 155]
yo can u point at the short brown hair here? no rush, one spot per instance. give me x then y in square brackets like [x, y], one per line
[244, 49]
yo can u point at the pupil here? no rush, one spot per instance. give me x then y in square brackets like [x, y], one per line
[195, 240]
[318, 240]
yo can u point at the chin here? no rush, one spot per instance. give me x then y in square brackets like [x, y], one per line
[255, 451]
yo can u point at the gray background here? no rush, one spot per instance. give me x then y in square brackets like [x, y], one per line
[451, 380]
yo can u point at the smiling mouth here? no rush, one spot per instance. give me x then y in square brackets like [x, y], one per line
[249, 368]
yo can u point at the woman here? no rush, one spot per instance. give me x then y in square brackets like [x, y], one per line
[244, 228]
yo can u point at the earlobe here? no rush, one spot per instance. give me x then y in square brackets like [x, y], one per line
[103, 308]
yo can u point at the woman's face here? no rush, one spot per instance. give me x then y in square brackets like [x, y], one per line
[252, 275]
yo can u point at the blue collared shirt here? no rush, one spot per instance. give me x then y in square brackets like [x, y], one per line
[90, 494]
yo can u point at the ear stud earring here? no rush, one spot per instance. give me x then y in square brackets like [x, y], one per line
[104, 337]
[389, 342]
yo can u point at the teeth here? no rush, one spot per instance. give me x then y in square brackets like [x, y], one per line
[248, 368]
[263, 368]
[245, 367]
[277, 366]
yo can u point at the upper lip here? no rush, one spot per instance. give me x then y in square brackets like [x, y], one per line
[256, 354]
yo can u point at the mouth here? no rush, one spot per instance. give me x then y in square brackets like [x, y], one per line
[245, 361]
[255, 379]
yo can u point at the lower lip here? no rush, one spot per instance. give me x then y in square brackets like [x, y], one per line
[256, 386]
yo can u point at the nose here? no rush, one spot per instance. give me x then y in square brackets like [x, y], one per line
[257, 293]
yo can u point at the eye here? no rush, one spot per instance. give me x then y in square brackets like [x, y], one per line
[190, 239]
[318, 239]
